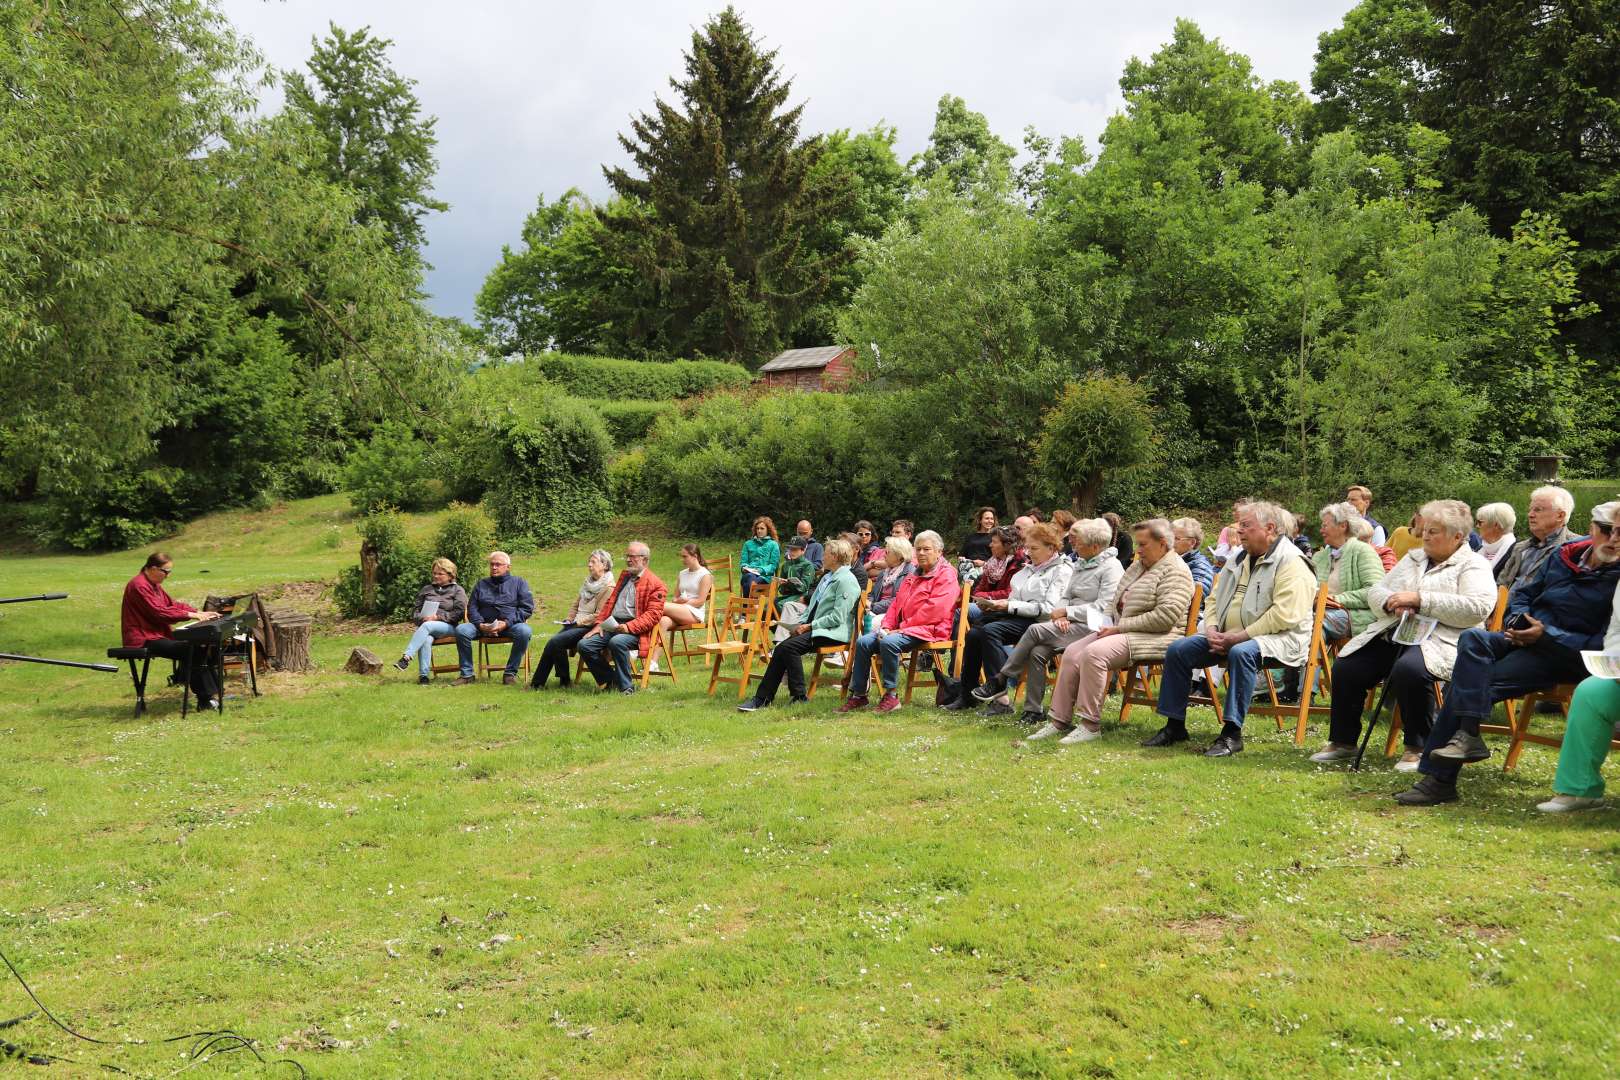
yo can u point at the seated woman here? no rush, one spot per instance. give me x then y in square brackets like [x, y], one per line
[760, 555]
[1087, 602]
[1120, 541]
[1593, 714]
[1035, 591]
[449, 604]
[1227, 544]
[1362, 530]
[1189, 534]
[1063, 521]
[897, 566]
[976, 547]
[146, 616]
[1149, 613]
[694, 586]
[829, 619]
[994, 582]
[579, 621]
[1407, 537]
[1349, 568]
[1495, 522]
[1443, 580]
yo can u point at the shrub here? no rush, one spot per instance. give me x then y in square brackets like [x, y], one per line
[402, 570]
[626, 480]
[630, 421]
[109, 510]
[550, 480]
[465, 537]
[395, 468]
[637, 380]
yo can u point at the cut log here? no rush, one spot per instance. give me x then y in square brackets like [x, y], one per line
[363, 661]
[290, 632]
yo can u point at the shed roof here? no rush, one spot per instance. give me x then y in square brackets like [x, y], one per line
[801, 359]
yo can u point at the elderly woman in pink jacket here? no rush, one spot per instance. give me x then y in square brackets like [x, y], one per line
[922, 611]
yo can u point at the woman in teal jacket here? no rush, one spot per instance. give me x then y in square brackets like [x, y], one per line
[760, 556]
[829, 620]
[1349, 568]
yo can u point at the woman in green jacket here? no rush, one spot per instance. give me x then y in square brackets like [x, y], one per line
[1349, 568]
[829, 620]
[760, 556]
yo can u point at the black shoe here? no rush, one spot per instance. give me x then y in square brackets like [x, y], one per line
[1032, 717]
[957, 704]
[1428, 791]
[628, 690]
[1165, 736]
[402, 663]
[423, 680]
[1225, 746]
[750, 705]
[798, 701]
[986, 691]
[1464, 747]
[995, 708]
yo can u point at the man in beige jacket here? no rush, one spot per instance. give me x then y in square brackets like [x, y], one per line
[1261, 609]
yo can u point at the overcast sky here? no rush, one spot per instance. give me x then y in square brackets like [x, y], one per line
[530, 96]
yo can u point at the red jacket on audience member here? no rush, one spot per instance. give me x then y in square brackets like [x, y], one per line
[650, 595]
[923, 607]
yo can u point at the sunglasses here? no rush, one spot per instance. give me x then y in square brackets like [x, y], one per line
[1603, 527]
[164, 570]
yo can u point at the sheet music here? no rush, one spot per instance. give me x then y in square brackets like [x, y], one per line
[1604, 665]
[1413, 629]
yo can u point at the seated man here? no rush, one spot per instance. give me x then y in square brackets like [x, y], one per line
[1548, 521]
[1360, 496]
[794, 582]
[500, 606]
[145, 617]
[812, 546]
[626, 621]
[1593, 714]
[922, 611]
[1548, 623]
[1261, 609]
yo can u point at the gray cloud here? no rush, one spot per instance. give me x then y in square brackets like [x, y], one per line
[530, 97]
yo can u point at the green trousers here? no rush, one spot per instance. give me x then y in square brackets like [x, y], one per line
[1592, 716]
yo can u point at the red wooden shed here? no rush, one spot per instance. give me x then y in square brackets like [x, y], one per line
[827, 367]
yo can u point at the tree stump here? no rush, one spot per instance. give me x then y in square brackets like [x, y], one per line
[363, 661]
[290, 631]
[370, 557]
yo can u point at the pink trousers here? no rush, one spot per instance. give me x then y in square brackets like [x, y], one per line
[1083, 676]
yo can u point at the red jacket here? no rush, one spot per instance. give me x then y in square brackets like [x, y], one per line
[925, 604]
[650, 594]
[988, 588]
[149, 612]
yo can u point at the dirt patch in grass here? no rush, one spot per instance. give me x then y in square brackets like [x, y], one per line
[1487, 932]
[1381, 942]
[1205, 927]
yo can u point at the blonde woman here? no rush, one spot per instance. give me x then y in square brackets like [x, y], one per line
[440, 605]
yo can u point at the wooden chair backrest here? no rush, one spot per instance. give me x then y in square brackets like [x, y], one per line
[724, 564]
[1195, 609]
[746, 608]
[1500, 610]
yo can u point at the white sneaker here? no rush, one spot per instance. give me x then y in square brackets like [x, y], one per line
[1047, 730]
[1559, 804]
[1332, 753]
[1409, 761]
[652, 666]
[835, 660]
[1080, 734]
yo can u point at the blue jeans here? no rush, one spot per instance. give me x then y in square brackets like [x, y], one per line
[752, 583]
[888, 648]
[598, 649]
[1242, 663]
[467, 632]
[1490, 669]
[421, 644]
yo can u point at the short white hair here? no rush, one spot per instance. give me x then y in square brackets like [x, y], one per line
[1360, 529]
[899, 547]
[1092, 531]
[1191, 528]
[1561, 497]
[1452, 515]
[1499, 514]
[1342, 513]
[500, 556]
[1269, 513]
[929, 536]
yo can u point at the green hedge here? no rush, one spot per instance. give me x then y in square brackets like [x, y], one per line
[549, 480]
[637, 380]
[630, 421]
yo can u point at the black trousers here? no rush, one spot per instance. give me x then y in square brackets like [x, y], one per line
[987, 646]
[1410, 686]
[201, 675]
[555, 656]
[788, 659]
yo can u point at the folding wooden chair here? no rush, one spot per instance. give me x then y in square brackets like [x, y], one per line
[1520, 710]
[1494, 623]
[643, 669]
[825, 651]
[741, 634]
[686, 649]
[1318, 666]
[726, 565]
[938, 649]
[438, 668]
[1141, 680]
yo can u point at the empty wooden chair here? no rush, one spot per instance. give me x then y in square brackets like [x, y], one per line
[740, 634]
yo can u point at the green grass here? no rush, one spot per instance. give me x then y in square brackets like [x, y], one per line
[483, 882]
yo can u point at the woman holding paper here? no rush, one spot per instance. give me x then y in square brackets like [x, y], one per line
[579, 621]
[1440, 589]
[439, 607]
[1578, 784]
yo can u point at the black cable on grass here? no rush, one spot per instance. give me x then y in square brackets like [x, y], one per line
[207, 1044]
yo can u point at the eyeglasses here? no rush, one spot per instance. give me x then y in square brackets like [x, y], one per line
[633, 555]
[1603, 527]
[164, 570]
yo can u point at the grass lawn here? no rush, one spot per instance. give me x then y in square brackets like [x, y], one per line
[393, 880]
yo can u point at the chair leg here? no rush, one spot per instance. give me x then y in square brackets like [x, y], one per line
[815, 674]
[911, 674]
[747, 666]
[714, 673]
[1394, 739]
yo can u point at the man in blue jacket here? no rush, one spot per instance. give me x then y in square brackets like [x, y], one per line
[1549, 621]
[500, 606]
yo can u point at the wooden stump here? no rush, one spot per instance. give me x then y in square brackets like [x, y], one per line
[290, 632]
[363, 661]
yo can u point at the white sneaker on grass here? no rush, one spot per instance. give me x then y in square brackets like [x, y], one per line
[1047, 730]
[1560, 804]
[1409, 761]
[1080, 734]
[1333, 752]
[652, 666]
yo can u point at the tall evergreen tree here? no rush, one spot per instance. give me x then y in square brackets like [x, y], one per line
[728, 192]
[377, 141]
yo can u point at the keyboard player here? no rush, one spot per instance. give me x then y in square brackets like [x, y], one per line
[149, 612]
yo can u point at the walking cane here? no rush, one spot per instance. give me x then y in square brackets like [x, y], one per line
[1366, 736]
